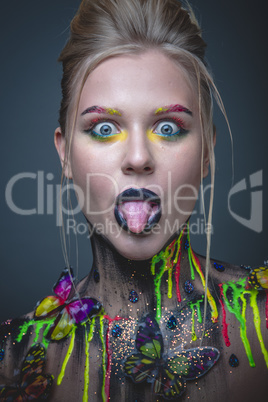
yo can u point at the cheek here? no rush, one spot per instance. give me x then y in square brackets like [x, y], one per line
[185, 180]
[98, 187]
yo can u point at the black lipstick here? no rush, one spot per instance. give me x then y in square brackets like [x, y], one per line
[140, 194]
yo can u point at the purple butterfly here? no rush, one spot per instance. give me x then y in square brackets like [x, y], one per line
[67, 313]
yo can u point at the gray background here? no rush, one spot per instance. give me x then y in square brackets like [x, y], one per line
[32, 35]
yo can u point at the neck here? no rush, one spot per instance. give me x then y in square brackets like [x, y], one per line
[118, 277]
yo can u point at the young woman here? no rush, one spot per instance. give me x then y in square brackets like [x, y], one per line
[153, 320]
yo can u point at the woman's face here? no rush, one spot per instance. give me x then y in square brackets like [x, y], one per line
[137, 128]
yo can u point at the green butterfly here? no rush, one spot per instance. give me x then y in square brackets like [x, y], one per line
[168, 376]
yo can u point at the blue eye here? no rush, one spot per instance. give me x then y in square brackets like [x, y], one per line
[104, 129]
[169, 129]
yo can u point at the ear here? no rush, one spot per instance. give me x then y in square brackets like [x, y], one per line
[206, 155]
[60, 144]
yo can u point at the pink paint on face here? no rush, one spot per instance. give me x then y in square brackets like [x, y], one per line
[172, 108]
[137, 86]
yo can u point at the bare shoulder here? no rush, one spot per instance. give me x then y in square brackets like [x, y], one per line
[14, 346]
[242, 293]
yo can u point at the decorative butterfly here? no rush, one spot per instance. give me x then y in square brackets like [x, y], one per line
[68, 313]
[168, 376]
[33, 383]
[258, 278]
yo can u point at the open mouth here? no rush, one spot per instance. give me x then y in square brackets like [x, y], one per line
[137, 210]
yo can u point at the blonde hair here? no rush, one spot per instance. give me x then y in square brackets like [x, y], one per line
[107, 28]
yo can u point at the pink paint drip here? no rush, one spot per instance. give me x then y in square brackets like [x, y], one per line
[109, 354]
[266, 308]
[224, 323]
[177, 278]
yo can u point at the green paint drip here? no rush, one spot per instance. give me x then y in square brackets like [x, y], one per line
[38, 325]
[238, 291]
[190, 258]
[86, 373]
[196, 305]
[103, 394]
[24, 329]
[157, 282]
[166, 265]
[257, 322]
[67, 357]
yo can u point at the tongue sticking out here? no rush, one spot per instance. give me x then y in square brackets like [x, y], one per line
[137, 214]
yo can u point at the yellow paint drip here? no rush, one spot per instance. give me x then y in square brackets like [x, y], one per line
[88, 339]
[214, 310]
[103, 394]
[67, 357]
[257, 322]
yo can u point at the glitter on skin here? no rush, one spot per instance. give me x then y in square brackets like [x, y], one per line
[109, 353]
[192, 305]
[67, 357]
[224, 323]
[172, 108]
[88, 339]
[104, 370]
[238, 289]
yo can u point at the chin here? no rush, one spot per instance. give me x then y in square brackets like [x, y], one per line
[139, 248]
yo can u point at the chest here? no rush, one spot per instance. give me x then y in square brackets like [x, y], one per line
[126, 359]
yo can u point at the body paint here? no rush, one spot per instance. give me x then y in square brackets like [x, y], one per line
[266, 308]
[88, 339]
[233, 306]
[196, 263]
[167, 265]
[224, 323]
[257, 322]
[67, 357]
[172, 108]
[101, 110]
[177, 278]
[104, 369]
[192, 305]
[38, 325]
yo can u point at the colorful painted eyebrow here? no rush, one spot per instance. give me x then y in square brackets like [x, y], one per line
[101, 110]
[172, 108]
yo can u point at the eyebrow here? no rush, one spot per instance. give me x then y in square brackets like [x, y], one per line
[101, 110]
[172, 108]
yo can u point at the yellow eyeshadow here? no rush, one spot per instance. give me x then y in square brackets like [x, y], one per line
[113, 138]
[152, 137]
[161, 110]
[112, 112]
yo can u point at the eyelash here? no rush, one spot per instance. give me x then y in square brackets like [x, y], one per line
[169, 137]
[94, 123]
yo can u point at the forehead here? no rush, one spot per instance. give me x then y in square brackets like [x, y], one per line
[148, 79]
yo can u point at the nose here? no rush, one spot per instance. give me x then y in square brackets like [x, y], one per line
[138, 158]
